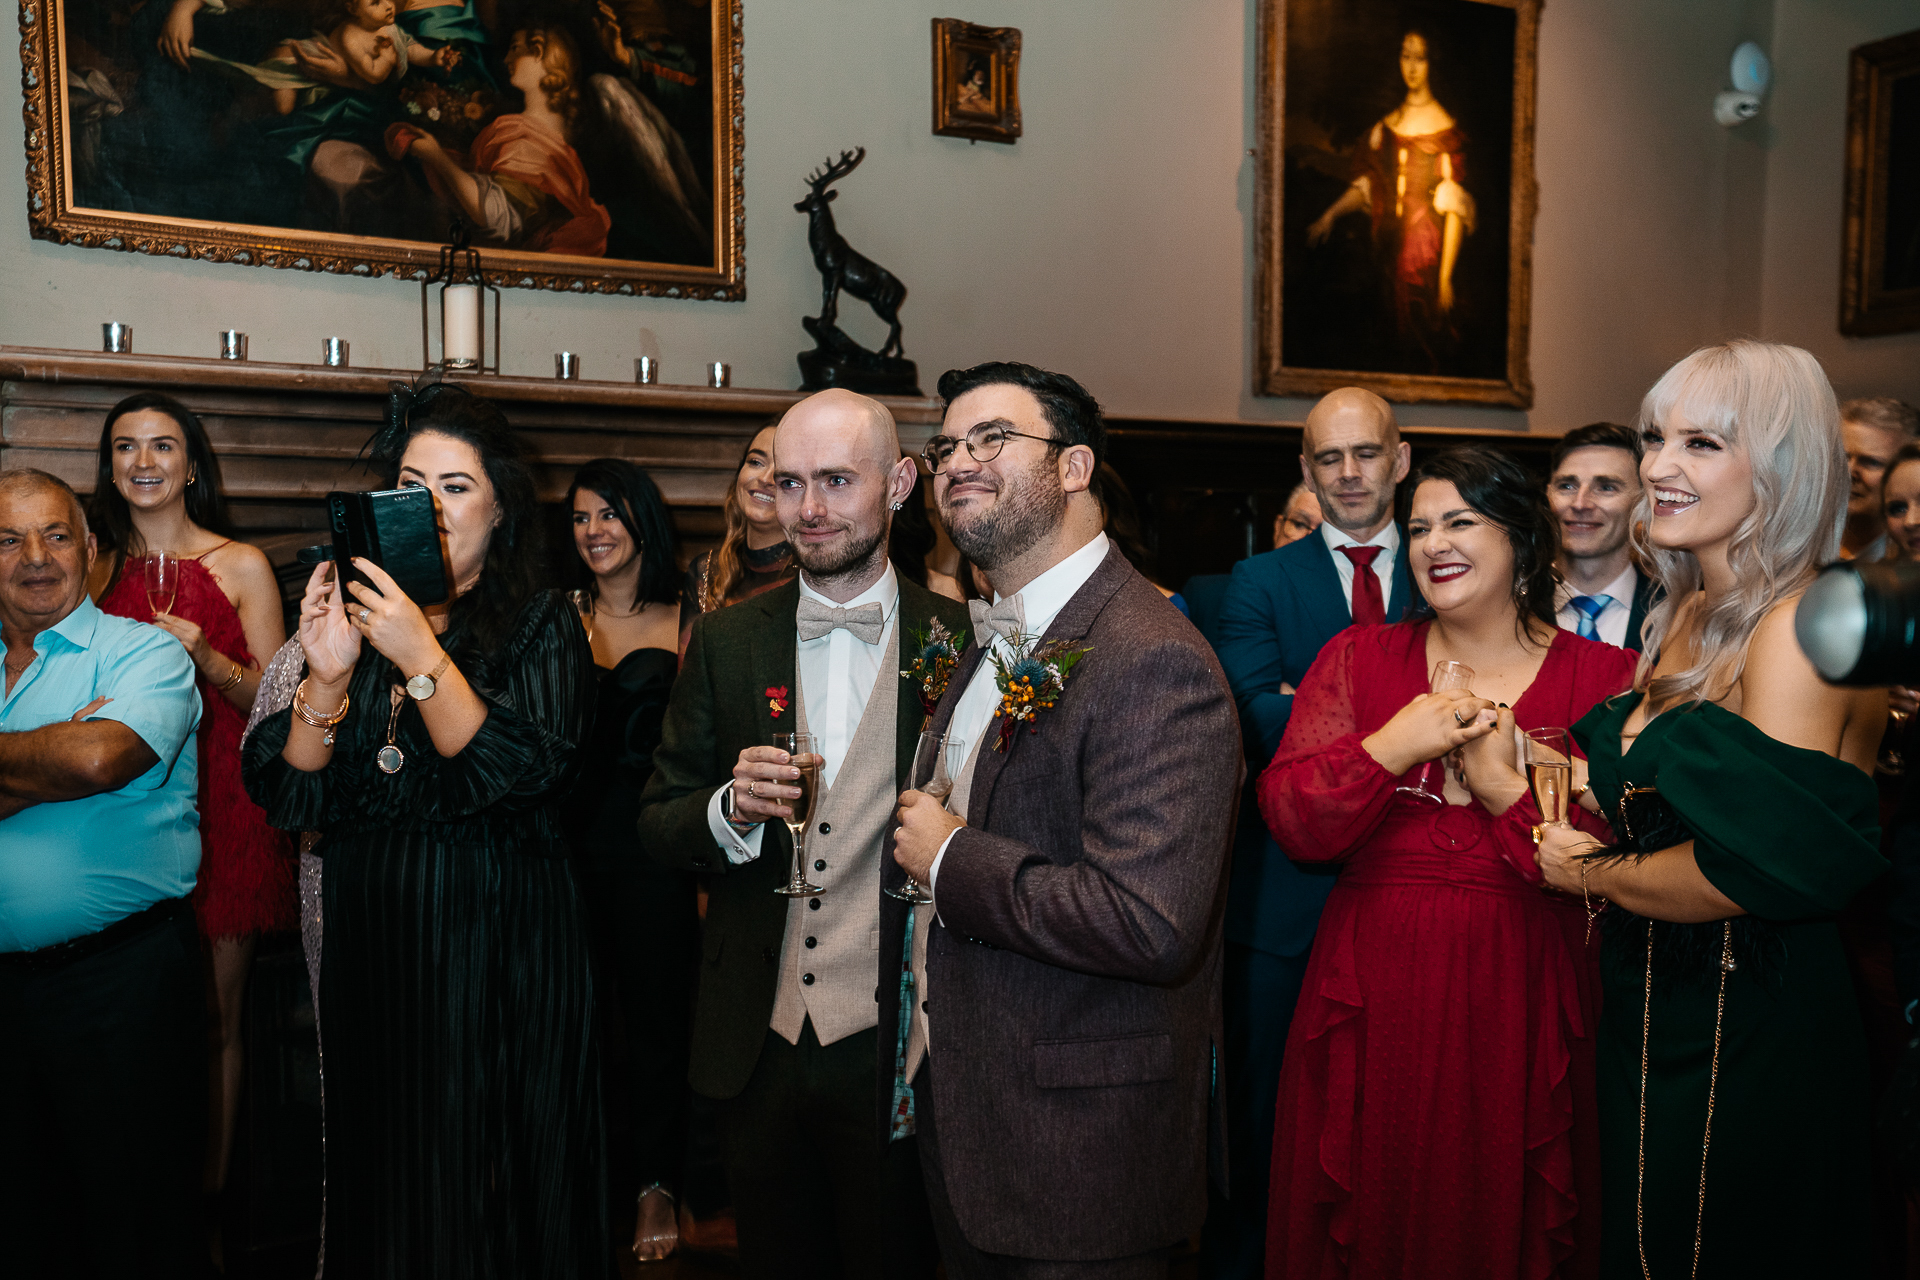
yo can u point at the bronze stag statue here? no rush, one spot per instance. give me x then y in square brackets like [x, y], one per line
[837, 360]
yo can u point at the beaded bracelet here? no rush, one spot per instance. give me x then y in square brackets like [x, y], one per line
[325, 723]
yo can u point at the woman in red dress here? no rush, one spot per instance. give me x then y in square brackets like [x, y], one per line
[157, 488]
[1436, 1113]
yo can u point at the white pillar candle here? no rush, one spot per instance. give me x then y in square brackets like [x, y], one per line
[460, 323]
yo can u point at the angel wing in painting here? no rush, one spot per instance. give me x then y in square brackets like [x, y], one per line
[666, 181]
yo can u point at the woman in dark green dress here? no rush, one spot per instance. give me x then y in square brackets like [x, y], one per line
[1733, 1101]
[432, 750]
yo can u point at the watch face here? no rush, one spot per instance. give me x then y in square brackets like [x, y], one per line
[421, 687]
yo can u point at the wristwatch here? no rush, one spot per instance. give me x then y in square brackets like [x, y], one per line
[420, 688]
[726, 812]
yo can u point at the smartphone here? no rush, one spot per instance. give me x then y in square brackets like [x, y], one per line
[395, 529]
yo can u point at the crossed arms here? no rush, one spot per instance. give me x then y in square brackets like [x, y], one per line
[69, 760]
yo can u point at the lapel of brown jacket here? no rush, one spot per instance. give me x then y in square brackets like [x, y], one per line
[1071, 623]
[916, 615]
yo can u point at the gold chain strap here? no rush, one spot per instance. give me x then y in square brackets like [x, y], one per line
[1713, 1080]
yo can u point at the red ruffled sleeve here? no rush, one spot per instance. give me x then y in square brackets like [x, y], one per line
[1323, 795]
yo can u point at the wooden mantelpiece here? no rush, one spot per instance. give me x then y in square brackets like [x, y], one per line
[288, 433]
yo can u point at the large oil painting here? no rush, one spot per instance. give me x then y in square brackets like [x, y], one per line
[1880, 250]
[587, 144]
[1396, 197]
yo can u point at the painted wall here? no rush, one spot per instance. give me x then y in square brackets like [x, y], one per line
[1807, 121]
[1114, 241]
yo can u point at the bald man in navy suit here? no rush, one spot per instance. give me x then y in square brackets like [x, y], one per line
[1279, 610]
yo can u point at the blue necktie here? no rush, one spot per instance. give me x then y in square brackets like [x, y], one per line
[1590, 608]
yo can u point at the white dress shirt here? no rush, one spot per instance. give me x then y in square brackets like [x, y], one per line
[1612, 620]
[837, 674]
[1042, 600]
[1388, 540]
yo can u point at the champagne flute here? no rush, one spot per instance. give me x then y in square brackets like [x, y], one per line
[163, 581]
[1446, 675]
[939, 759]
[1550, 772]
[583, 605]
[803, 751]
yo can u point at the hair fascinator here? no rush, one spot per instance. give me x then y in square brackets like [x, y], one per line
[385, 446]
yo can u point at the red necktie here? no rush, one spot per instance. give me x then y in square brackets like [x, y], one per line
[1368, 609]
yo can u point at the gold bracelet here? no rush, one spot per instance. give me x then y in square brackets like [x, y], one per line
[325, 723]
[233, 679]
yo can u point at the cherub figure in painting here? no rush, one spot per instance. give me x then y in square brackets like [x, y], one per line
[370, 44]
[525, 187]
[1409, 179]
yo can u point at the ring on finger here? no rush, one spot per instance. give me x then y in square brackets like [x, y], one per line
[366, 613]
[1457, 720]
[751, 792]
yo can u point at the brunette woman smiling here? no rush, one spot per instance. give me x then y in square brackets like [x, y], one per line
[645, 924]
[1444, 1036]
[157, 490]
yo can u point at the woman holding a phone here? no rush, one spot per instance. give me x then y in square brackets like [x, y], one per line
[432, 748]
[168, 557]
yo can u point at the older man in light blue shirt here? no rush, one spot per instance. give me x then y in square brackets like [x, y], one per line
[102, 1030]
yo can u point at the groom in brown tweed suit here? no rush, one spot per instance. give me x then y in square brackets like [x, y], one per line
[1067, 975]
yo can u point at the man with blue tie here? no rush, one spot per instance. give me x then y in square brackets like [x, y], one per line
[1279, 610]
[1594, 489]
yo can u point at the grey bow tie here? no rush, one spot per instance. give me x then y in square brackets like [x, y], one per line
[864, 623]
[1008, 619]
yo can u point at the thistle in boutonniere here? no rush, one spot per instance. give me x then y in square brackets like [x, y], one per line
[936, 653]
[1032, 681]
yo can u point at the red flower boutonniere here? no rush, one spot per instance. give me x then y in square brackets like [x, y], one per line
[1031, 682]
[937, 653]
[776, 699]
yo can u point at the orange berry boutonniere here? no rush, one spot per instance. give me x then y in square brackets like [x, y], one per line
[1031, 681]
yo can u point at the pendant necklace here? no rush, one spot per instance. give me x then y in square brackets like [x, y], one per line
[391, 758]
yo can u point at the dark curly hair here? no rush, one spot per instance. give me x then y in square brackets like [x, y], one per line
[1507, 496]
[1070, 409]
[481, 620]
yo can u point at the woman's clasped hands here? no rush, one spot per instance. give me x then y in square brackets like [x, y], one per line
[1429, 727]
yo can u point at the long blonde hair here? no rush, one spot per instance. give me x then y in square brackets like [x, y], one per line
[1775, 402]
[724, 564]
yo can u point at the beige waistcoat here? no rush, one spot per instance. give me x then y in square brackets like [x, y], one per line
[830, 957]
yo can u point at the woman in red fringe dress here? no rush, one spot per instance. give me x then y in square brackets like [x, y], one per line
[157, 488]
[1436, 1114]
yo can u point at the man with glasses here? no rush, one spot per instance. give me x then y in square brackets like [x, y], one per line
[1280, 608]
[1064, 995]
[785, 1023]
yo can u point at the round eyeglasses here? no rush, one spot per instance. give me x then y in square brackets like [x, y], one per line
[984, 443]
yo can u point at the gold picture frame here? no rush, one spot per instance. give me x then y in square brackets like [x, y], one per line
[83, 84]
[976, 81]
[1425, 292]
[1880, 236]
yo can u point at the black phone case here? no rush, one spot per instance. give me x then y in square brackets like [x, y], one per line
[396, 529]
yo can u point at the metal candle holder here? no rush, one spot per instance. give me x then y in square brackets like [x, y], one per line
[459, 265]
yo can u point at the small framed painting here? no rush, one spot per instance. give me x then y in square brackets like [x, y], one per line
[1880, 253]
[976, 81]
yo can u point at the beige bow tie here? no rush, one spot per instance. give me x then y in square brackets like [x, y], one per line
[1008, 619]
[864, 623]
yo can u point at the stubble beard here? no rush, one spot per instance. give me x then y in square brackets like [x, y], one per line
[1336, 516]
[847, 559]
[1015, 524]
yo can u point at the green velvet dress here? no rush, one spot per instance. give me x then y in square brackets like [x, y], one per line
[1791, 835]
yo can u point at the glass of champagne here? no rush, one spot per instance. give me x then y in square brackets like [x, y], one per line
[1446, 675]
[803, 750]
[938, 759]
[1550, 772]
[163, 581]
[583, 605]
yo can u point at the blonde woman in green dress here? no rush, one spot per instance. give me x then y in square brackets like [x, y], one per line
[1732, 1066]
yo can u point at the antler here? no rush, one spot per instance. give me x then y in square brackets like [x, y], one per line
[834, 170]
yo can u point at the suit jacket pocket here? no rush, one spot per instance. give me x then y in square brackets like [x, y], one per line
[1098, 1064]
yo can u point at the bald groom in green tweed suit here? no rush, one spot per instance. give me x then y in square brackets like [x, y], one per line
[785, 1026]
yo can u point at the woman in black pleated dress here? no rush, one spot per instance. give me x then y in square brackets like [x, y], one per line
[432, 749]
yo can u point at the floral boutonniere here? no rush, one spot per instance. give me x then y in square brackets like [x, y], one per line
[936, 653]
[776, 699]
[1032, 681]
